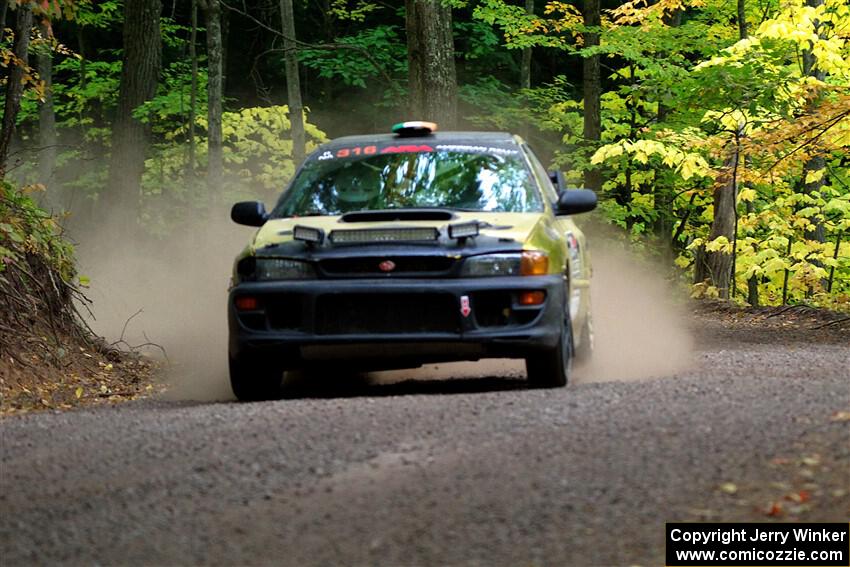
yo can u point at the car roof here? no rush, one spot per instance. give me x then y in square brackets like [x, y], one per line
[501, 138]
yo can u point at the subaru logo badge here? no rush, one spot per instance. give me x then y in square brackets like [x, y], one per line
[386, 266]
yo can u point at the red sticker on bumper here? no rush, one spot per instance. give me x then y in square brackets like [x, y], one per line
[465, 309]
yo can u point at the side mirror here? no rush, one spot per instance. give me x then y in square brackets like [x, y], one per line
[249, 213]
[575, 201]
[557, 177]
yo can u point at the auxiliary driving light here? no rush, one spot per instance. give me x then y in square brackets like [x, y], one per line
[379, 235]
[463, 230]
[308, 234]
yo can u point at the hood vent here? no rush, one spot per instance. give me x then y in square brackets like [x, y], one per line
[398, 215]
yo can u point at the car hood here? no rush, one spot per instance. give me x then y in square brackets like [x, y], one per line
[525, 229]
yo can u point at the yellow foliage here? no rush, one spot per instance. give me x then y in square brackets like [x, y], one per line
[747, 195]
[719, 244]
[685, 164]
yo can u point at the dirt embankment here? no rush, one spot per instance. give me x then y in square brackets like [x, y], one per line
[43, 371]
[49, 358]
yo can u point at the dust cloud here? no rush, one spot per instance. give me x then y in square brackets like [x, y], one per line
[640, 329]
[639, 323]
[174, 295]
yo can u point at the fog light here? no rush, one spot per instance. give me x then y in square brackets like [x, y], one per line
[308, 234]
[247, 303]
[463, 230]
[532, 297]
[534, 263]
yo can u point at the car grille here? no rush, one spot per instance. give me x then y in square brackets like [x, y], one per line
[386, 313]
[401, 266]
[285, 312]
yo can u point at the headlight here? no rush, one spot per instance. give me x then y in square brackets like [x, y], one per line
[282, 269]
[492, 265]
[530, 263]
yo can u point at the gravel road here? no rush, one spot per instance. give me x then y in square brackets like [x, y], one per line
[465, 471]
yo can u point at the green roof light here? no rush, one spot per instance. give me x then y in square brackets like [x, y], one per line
[414, 128]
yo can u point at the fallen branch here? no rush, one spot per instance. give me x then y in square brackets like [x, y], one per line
[831, 323]
[124, 329]
[783, 310]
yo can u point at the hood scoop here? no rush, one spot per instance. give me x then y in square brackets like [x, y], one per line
[390, 215]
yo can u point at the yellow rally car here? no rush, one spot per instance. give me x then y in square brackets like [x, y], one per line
[391, 251]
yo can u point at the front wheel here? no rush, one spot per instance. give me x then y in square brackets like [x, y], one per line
[255, 380]
[551, 368]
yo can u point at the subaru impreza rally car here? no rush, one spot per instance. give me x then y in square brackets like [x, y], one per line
[391, 251]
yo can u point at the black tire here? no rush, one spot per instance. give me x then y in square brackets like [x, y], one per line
[255, 380]
[584, 352]
[551, 368]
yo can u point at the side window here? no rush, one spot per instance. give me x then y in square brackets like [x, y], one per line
[542, 175]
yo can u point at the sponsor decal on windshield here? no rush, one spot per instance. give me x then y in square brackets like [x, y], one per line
[477, 149]
[357, 151]
[410, 148]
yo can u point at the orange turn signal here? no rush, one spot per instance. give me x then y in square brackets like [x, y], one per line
[534, 263]
[247, 303]
[532, 297]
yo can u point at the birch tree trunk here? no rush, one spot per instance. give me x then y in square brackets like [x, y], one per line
[431, 62]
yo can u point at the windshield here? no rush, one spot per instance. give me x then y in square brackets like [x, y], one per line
[451, 179]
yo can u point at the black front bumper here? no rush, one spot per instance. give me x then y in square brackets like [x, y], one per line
[385, 322]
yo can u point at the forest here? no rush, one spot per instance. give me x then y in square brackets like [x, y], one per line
[714, 132]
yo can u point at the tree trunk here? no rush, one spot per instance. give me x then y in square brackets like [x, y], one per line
[193, 89]
[719, 263]
[816, 230]
[663, 194]
[4, 7]
[215, 87]
[592, 88]
[14, 84]
[815, 163]
[742, 19]
[431, 62]
[329, 36]
[293, 83]
[525, 72]
[139, 77]
[525, 67]
[834, 257]
[46, 115]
